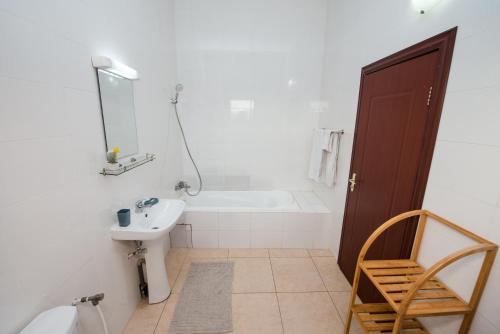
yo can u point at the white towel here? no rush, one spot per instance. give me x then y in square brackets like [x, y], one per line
[324, 156]
[329, 140]
[316, 162]
[332, 154]
[326, 140]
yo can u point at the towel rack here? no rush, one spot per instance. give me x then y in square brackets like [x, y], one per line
[340, 132]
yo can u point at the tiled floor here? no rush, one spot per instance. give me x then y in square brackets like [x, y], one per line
[290, 291]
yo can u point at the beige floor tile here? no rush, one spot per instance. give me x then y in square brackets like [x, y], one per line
[330, 273]
[144, 319]
[174, 261]
[248, 252]
[252, 275]
[181, 278]
[177, 254]
[341, 302]
[296, 275]
[256, 313]
[202, 253]
[166, 316]
[320, 252]
[307, 313]
[288, 252]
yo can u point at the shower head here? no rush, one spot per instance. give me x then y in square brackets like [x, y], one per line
[178, 88]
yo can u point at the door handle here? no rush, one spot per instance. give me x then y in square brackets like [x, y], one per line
[352, 182]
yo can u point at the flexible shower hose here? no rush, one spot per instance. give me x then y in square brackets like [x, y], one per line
[104, 325]
[189, 153]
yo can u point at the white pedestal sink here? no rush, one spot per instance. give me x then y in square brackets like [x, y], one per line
[151, 225]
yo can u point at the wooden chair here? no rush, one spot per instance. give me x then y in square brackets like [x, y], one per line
[412, 291]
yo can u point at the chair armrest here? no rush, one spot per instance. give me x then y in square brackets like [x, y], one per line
[381, 229]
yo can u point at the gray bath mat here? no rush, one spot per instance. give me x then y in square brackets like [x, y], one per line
[204, 305]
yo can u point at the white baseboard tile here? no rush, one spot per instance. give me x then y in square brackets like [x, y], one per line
[298, 239]
[267, 221]
[202, 220]
[234, 221]
[266, 239]
[234, 239]
[205, 239]
[180, 237]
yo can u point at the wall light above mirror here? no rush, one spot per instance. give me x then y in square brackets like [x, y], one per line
[113, 66]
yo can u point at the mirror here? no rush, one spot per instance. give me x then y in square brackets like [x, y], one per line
[118, 112]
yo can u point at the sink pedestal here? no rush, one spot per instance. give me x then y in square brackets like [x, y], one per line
[156, 271]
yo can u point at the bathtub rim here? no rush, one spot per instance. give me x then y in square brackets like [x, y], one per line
[297, 208]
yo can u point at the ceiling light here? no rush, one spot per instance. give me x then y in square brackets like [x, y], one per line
[423, 6]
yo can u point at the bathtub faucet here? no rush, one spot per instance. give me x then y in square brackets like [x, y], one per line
[182, 185]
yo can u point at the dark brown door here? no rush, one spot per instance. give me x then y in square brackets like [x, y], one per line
[394, 140]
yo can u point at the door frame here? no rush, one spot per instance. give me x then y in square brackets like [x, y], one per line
[444, 44]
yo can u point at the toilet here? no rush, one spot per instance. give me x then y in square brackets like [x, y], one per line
[58, 320]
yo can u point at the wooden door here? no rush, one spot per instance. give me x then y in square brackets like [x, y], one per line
[398, 116]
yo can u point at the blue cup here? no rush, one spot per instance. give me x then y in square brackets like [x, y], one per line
[123, 217]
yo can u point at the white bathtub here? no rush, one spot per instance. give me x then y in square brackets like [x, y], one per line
[254, 219]
[243, 201]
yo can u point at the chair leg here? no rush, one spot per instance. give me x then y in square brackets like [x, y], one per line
[348, 322]
[355, 284]
[488, 260]
[464, 328]
[398, 324]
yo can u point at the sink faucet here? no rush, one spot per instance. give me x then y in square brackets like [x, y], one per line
[143, 203]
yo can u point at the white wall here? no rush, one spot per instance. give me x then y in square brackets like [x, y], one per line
[55, 209]
[464, 184]
[268, 52]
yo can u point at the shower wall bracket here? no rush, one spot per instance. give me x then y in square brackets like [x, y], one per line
[124, 165]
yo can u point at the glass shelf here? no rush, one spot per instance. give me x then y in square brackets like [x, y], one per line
[129, 164]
